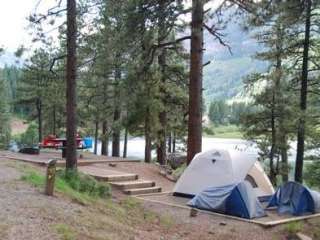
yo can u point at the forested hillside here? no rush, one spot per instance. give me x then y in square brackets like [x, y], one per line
[223, 77]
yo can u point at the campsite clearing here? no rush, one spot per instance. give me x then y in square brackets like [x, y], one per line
[122, 217]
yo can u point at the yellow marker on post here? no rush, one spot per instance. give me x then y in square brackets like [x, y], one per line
[51, 174]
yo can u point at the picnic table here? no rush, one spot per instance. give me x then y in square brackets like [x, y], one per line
[61, 143]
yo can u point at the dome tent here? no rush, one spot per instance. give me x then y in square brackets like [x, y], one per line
[295, 199]
[236, 200]
[219, 168]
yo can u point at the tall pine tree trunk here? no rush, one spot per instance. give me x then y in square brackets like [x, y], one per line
[39, 112]
[54, 120]
[195, 84]
[71, 69]
[161, 147]
[273, 174]
[125, 144]
[303, 97]
[283, 142]
[170, 142]
[147, 135]
[284, 159]
[116, 116]
[105, 139]
[96, 133]
[174, 142]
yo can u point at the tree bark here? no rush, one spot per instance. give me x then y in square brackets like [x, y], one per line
[54, 119]
[116, 116]
[195, 84]
[174, 142]
[96, 133]
[71, 68]
[273, 174]
[303, 97]
[39, 112]
[283, 142]
[105, 139]
[170, 142]
[147, 134]
[125, 144]
[161, 146]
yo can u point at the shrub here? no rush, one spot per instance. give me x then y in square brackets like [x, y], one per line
[85, 184]
[30, 136]
[78, 186]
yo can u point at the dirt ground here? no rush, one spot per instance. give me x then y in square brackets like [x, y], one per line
[26, 213]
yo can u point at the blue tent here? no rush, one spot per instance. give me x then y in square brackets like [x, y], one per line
[295, 199]
[236, 200]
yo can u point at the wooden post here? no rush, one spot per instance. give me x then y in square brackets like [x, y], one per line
[51, 174]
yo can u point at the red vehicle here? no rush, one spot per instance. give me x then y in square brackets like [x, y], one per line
[52, 141]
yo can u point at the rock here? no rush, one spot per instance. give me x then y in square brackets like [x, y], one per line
[301, 236]
[222, 223]
[175, 160]
[112, 164]
[193, 212]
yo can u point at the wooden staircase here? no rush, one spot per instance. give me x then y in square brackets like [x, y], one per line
[128, 183]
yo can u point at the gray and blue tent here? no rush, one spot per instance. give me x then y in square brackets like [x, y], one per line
[296, 199]
[237, 200]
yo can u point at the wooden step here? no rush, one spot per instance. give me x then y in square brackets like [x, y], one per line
[118, 177]
[108, 175]
[133, 184]
[137, 191]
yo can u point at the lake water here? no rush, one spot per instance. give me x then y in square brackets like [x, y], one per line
[136, 146]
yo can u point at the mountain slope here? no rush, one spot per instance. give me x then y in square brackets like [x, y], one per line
[223, 77]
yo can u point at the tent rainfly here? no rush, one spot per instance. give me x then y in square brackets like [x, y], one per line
[218, 168]
[236, 200]
[295, 199]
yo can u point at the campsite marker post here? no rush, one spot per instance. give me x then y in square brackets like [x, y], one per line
[51, 175]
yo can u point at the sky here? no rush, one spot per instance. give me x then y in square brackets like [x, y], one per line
[13, 23]
[13, 14]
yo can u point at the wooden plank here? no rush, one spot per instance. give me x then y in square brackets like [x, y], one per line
[137, 191]
[62, 163]
[261, 223]
[133, 184]
[292, 219]
[90, 162]
[114, 178]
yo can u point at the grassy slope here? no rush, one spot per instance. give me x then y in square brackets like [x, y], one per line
[228, 131]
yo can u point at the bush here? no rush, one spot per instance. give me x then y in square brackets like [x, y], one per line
[78, 186]
[30, 136]
[85, 183]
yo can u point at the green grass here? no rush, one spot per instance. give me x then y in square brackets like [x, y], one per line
[178, 172]
[293, 228]
[65, 232]
[223, 131]
[79, 187]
